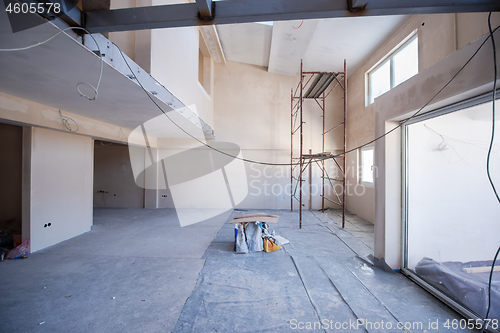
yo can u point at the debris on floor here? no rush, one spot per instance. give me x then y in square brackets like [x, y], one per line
[21, 251]
[252, 234]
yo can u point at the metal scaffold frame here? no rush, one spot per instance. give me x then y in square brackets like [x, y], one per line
[309, 88]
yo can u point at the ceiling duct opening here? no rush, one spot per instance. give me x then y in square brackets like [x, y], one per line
[319, 85]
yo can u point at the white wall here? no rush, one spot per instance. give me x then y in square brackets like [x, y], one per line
[57, 186]
[174, 63]
[252, 110]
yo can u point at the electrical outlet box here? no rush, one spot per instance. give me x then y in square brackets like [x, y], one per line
[163, 195]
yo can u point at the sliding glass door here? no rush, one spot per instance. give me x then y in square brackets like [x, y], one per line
[452, 227]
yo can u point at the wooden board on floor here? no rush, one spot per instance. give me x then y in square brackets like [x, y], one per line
[268, 218]
[484, 269]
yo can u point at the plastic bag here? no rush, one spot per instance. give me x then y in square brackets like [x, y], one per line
[22, 251]
[254, 237]
[241, 242]
[271, 244]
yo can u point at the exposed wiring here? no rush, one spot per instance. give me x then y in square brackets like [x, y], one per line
[183, 130]
[443, 145]
[493, 108]
[124, 136]
[299, 25]
[318, 158]
[66, 121]
[96, 88]
[488, 160]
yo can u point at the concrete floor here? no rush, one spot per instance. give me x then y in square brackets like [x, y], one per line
[137, 270]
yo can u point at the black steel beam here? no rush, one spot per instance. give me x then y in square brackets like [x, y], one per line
[242, 11]
[204, 8]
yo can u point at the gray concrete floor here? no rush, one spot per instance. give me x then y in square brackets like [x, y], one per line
[137, 270]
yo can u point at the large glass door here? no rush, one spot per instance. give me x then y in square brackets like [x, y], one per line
[452, 227]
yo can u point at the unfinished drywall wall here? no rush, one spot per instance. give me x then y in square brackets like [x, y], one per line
[58, 188]
[11, 160]
[114, 183]
[252, 110]
[439, 36]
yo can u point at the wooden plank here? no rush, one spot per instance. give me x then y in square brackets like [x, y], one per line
[483, 269]
[257, 215]
[267, 219]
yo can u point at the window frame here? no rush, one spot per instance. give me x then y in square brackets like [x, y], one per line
[389, 57]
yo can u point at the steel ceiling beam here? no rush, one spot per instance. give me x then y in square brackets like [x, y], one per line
[242, 11]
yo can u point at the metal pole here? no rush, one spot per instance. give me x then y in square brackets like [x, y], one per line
[323, 161]
[291, 152]
[345, 146]
[301, 143]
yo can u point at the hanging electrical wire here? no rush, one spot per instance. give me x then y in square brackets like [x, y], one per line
[317, 158]
[66, 121]
[488, 160]
[96, 88]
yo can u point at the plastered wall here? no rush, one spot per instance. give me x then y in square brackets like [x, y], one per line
[57, 169]
[252, 109]
[57, 186]
[439, 36]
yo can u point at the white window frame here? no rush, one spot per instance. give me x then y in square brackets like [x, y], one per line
[360, 165]
[389, 57]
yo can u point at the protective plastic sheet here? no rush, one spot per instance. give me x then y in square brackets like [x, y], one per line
[471, 289]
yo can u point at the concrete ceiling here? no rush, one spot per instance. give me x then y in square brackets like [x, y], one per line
[322, 44]
[249, 43]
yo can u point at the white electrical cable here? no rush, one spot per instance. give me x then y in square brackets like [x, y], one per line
[96, 88]
[66, 122]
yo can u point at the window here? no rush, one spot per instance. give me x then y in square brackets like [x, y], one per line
[204, 65]
[366, 155]
[397, 67]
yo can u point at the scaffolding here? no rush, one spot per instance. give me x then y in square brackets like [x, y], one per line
[313, 85]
